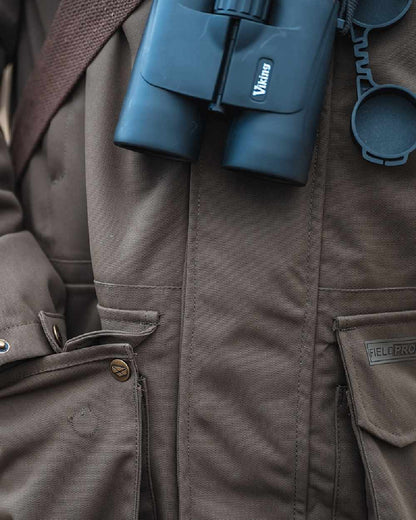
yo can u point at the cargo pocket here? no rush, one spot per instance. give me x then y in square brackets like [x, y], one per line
[71, 432]
[379, 357]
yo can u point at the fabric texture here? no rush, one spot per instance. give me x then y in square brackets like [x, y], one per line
[72, 44]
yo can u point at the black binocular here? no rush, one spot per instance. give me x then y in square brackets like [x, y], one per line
[264, 62]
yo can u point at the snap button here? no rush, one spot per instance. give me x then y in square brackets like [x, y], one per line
[120, 370]
[57, 335]
[4, 346]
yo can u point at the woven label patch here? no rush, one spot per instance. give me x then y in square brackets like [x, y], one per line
[395, 350]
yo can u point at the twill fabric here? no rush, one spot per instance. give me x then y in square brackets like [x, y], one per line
[269, 332]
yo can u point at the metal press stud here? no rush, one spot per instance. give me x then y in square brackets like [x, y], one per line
[120, 370]
[57, 335]
[4, 346]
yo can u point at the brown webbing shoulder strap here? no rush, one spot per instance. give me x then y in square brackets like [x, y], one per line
[78, 32]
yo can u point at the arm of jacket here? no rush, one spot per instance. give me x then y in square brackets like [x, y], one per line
[28, 282]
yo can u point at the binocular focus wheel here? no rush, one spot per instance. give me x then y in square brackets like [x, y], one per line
[256, 10]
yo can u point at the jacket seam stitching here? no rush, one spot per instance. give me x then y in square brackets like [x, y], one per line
[370, 473]
[338, 458]
[304, 329]
[108, 284]
[136, 399]
[381, 324]
[120, 320]
[364, 289]
[61, 367]
[191, 347]
[68, 261]
[320, 230]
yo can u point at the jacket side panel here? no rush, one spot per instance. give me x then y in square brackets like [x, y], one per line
[367, 263]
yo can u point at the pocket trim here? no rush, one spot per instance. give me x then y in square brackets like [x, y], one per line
[63, 360]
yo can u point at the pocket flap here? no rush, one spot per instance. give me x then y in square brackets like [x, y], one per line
[379, 356]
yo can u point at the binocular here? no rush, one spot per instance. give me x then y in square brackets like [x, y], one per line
[262, 62]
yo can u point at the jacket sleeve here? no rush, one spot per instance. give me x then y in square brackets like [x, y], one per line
[28, 282]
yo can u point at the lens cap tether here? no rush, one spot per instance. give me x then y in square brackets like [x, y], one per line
[384, 117]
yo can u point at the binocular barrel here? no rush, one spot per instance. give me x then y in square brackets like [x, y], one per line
[267, 60]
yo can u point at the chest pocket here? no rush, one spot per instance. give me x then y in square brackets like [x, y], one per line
[379, 357]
